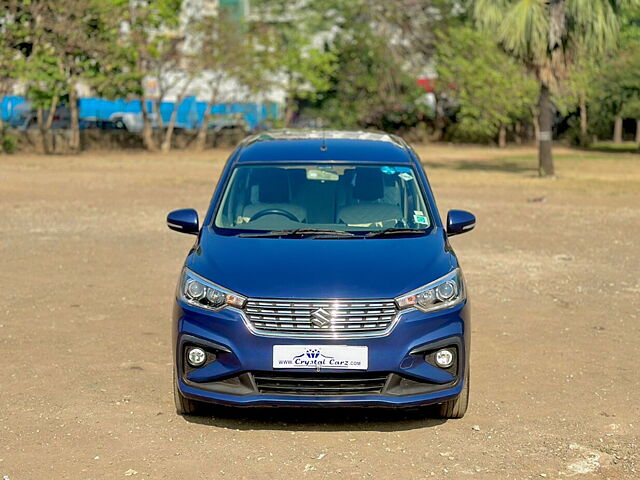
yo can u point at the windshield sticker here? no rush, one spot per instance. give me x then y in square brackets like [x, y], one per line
[418, 212]
[403, 169]
[388, 170]
[421, 219]
[405, 176]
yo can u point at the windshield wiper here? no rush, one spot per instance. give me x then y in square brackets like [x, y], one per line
[299, 232]
[320, 231]
[395, 231]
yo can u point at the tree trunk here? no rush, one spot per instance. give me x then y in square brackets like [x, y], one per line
[536, 124]
[638, 131]
[74, 141]
[584, 121]
[289, 111]
[147, 129]
[168, 134]
[545, 156]
[518, 133]
[438, 122]
[43, 132]
[617, 129]
[156, 108]
[45, 125]
[502, 137]
[201, 138]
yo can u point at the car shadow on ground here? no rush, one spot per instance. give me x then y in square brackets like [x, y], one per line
[325, 419]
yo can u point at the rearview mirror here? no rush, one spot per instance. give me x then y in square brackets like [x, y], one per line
[459, 221]
[184, 220]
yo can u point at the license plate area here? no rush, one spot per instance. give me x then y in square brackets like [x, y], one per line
[321, 357]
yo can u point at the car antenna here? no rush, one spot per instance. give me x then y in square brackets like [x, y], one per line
[323, 147]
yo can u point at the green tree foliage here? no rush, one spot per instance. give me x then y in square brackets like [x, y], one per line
[74, 37]
[9, 53]
[578, 91]
[617, 83]
[26, 59]
[547, 37]
[151, 49]
[56, 46]
[416, 26]
[226, 53]
[353, 63]
[295, 63]
[491, 90]
[370, 86]
[118, 76]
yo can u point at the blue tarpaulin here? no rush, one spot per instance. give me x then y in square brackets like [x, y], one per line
[8, 107]
[190, 111]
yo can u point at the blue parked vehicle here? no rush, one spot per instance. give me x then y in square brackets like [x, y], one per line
[322, 275]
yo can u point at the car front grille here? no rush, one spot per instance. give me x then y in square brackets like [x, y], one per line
[320, 384]
[321, 318]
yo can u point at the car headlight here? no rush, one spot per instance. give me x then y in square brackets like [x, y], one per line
[199, 292]
[442, 293]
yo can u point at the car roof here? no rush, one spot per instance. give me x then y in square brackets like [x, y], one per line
[281, 146]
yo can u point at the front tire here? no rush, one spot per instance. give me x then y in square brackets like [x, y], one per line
[457, 407]
[185, 406]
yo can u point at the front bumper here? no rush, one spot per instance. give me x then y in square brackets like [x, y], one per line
[239, 368]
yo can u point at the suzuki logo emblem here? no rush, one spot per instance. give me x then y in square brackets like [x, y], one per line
[321, 318]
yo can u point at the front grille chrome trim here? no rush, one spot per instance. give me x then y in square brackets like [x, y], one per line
[292, 318]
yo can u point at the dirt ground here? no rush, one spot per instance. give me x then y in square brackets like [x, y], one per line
[88, 270]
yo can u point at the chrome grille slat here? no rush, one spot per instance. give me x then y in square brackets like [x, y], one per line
[294, 317]
[272, 328]
[287, 319]
[339, 314]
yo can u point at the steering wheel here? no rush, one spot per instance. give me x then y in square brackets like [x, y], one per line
[273, 211]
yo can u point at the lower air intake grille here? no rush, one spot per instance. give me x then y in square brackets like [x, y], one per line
[320, 384]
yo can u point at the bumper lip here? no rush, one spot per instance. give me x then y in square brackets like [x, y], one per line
[270, 400]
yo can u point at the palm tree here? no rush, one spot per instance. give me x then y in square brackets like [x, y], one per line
[546, 36]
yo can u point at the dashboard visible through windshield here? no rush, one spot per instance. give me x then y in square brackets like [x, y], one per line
[356, 198]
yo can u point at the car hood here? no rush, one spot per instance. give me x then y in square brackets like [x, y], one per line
[321, 268]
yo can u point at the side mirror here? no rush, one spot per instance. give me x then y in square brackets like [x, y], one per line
[459, 221]
[184, 221]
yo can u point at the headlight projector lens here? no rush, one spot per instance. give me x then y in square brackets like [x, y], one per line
[195, 289]
[444, 358]
[196, 356]
[215, 297]
[426, 299]
[446, 291]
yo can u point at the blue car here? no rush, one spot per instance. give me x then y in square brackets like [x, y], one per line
[322, 275]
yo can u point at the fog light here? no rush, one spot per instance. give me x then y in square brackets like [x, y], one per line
[444, 358]
[196, 356]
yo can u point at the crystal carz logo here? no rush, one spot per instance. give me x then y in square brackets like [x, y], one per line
[329, 356]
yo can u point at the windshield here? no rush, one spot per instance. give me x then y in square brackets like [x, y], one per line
[331, 198]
